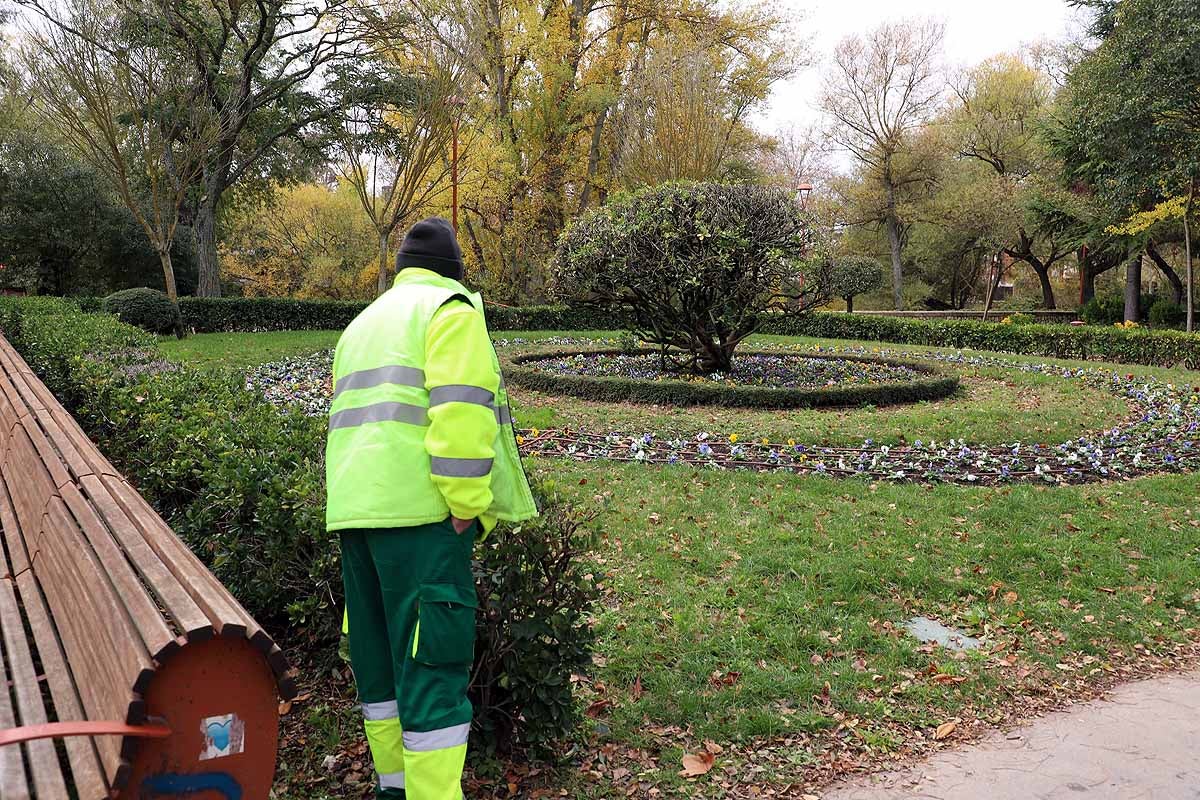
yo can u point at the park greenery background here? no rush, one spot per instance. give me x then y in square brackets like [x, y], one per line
[204, 153]
[743, 625]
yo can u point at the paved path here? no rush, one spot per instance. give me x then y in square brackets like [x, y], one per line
[1141, 743]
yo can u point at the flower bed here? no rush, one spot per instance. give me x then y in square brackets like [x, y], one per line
[762, 379]
[1162, 436]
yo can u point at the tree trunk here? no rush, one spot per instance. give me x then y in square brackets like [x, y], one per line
[893, 231]
[164, 257]
[1089, 286]
[1043, 273]
[204, 231]
[993, 284]
[1171, 275]
[1133, 289]
[954, 285]
[850, 304]
[383, 262]
[1187, 256]
[585, 196]
[1087, 278]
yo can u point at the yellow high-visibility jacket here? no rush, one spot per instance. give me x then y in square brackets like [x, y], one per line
[420, 427]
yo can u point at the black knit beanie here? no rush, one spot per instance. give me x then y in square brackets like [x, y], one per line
[431, 244]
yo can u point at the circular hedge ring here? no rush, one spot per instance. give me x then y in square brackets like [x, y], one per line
[930, 383]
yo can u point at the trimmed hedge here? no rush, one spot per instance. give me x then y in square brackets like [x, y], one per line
[242, 483]
[232, 314]
[1086, 343]
[518, 371]
[1091, 343]
[148, 309]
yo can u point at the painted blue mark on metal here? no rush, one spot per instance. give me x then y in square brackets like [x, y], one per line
[173, 784]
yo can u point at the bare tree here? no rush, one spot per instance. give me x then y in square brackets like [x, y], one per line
[394, 132]
[126, 109]
[256, 64]
[881, 88]
[797, 156]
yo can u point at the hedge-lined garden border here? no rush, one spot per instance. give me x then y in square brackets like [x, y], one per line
[235, 314]
[1084, 343]
[519, 370]
[1087, 343]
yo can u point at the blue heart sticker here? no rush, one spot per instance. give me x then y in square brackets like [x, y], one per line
[219, 734]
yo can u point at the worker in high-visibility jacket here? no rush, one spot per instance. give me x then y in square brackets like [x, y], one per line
[421, 459]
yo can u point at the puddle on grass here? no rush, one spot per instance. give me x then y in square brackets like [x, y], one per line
[930, 630]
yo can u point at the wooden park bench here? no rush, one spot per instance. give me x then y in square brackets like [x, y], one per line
[128, 670]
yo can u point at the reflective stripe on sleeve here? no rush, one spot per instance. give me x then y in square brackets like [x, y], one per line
[367, 378]
[503, 416]
[460, 393]
[379, 412]
[391, 780]
[385, 709]
[441, 739]
[460, 467]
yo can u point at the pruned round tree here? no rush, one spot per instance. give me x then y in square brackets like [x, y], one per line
[697, 265]
[855, 275]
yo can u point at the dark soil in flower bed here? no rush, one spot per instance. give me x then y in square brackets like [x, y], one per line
[758, 380]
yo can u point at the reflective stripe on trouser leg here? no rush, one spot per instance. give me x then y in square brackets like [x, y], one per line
[434, 760]
[384, 735]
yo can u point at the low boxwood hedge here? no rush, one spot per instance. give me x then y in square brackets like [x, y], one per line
[521, 370]
[233, 314]
[243, 485]
[1095, 343]
[1158, 348]
[1087, 343]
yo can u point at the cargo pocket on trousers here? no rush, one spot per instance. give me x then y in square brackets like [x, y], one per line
[445, 625]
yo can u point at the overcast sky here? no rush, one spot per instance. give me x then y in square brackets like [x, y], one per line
[974, 31]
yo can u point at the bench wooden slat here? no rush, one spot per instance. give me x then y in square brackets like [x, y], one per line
[98, 638]
[81, 753]
[30, 481]
[46, 452]
[8, 416]
[227, 618]
[43, 759]
[72, 459]
[191, 620]
[143, 611]
[98, 464]
[21, 381]
[12, 766]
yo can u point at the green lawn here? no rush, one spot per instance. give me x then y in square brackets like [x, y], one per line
[791, 584]
[761, 612]
[239, 350]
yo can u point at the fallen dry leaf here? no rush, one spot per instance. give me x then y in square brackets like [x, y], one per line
[945, 729]
[945, 678]
[697, 764]
[597, 708]
[719, 679]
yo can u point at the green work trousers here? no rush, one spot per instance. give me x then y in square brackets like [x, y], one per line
[410, 604]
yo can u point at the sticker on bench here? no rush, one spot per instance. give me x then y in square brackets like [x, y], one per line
[223, 736]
